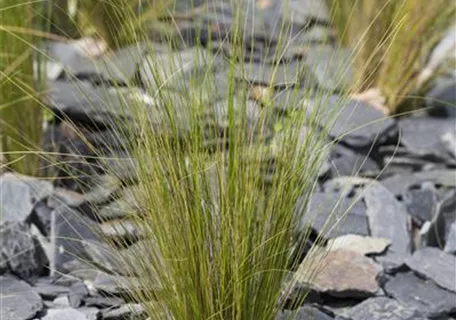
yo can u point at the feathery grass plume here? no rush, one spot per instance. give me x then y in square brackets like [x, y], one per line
[215, 202]
[21, 124]
[118, 21]
[64, 18]
[216, 191]
[391, 40]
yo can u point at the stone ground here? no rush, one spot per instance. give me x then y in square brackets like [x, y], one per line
[392, 256]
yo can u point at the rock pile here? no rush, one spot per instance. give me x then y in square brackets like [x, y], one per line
[391, 240]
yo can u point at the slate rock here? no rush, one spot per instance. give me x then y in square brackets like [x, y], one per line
[346, 162]
[48, 290]
[18, 194]
[78, 292]
[421, 134]
[71, 231]
[126, 311]
[91, 313]
[63, 196]
[304, 313]
[331, 67]
[65, 314]
[61, 302]
[441, 100]
[100, 106]
[381, 308]
[121, 231]
[448, 141]
[20, 252]
[119, 66]
[439, 230]
[356, 123]
[422, 295]
[18, 301]
[388, 219]
[301, 12]
[103, 302]
[41, 217]
[102, 189]
[422, 203]
[333, 214]
[280, 76]
[436, 265]
[170, 69]
[343, 274]
[359, 244]
[399, 184]
[114, 285]
[450, 245]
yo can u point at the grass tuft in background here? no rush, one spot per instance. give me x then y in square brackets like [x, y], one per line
[21, 75]
[391, 41]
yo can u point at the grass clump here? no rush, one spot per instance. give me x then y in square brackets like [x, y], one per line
[217, 201]
[391, 41]
[21, 125]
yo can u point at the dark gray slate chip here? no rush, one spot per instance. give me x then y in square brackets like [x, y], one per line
[78, 292]
[103, 302]
[345, 162]
[331, 67]
[101, 106]
[435, 265]
[356, 123]
[334, 214]
[450, 245]
[442, 99]
[304, 313]
[41, 217]
[422, 203]
[18, 194]
[18, 301]
[119, 66]
[381, 308]
[438, 232]
[399, 184]
[276, 75]
[126, 311]
[20, 252]
[422, 295]
[388, 218]
[72, 230]
[46, 288]
[301, 12]
[422, 134]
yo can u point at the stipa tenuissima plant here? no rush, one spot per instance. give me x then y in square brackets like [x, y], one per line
[21, 124]
[391, 41]
[216, 201]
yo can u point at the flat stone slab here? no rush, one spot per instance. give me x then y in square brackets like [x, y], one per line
[20, 252]
[435, 265]
[388, 218]
[18, 301]
[422, 134]
[422, 203]
[359, 244]
[356, 123]
[422, 295]
[304, 313]
[342, 273]
[333, 214]
[381, 308]
[18, 194]
[399, 184]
